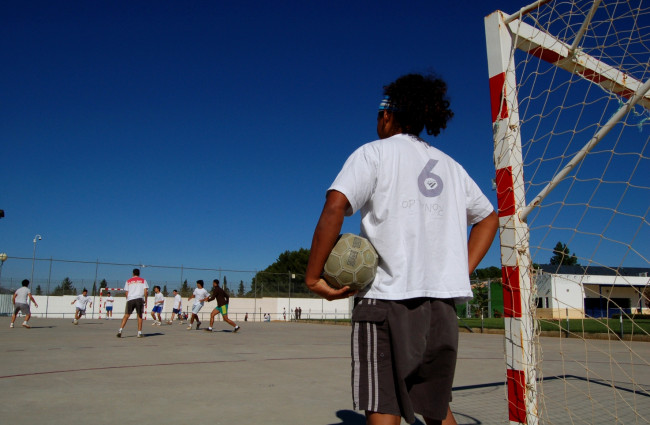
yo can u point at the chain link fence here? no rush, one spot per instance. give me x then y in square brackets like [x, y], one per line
[56, 277]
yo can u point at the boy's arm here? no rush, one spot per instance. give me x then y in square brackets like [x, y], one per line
[13, 299]
[327, 231]
[480, 239]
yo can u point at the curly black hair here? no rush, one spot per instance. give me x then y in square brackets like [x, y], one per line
[420, 101]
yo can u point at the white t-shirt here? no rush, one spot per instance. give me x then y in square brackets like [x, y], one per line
[22, 295]
[135, 286]
[109, 301]
[159, 298]
[416, 204]
[199, 294]
[177, 301]
[82, 301]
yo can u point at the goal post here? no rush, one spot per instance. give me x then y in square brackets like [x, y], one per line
[570, 98]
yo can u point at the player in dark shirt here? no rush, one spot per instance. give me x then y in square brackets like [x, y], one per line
[222, 305]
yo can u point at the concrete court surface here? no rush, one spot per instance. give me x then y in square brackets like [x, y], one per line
[278, 373]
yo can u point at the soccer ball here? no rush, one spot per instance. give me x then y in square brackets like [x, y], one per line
[352, 262]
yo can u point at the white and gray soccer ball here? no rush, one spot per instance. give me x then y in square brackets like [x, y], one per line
[352, 262]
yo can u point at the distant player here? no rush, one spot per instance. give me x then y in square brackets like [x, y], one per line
[222, 298]
[177, 309]
[80, 304]
[20, 300]
[158, 303]
[137, 290]
[200, 295]
[108, 306]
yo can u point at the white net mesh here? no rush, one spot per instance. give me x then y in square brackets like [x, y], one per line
[597, 211]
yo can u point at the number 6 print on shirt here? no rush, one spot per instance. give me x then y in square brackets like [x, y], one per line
[429, 183]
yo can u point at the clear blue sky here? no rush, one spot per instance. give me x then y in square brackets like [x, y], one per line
[205, 133]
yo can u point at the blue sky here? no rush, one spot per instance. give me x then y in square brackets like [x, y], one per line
[205, 133]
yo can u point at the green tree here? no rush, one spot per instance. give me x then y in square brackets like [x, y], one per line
[241, 291]
[491, 272]
[38, 290]
[65, 288]
[164, 291]
[94, 289]
[275, 278]
[480, 298]
[103, 284]
[185, 290]
[561, 256]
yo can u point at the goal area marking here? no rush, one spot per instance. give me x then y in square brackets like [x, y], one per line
[570, 100]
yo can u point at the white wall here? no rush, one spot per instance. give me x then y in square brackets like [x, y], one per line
[567, 292]
[314, 308]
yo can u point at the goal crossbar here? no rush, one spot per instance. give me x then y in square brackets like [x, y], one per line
[548, 48]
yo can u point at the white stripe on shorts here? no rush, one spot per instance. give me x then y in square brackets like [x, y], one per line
[355, 365]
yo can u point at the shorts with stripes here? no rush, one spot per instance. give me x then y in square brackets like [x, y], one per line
[404, 356]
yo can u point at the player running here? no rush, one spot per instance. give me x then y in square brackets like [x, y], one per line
[176, 311]
[222, 298]
[80, 303]
[199, 295]
[20, 300]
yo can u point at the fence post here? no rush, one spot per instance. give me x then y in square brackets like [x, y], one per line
[621, 323]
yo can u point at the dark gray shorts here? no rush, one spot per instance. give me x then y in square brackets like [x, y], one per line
[404, 356]
[137, 305]
[23, 308]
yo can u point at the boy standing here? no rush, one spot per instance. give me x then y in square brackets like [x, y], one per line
[416, 204]
[136, 292]
[199, 295]
[80, 303]
[108, 305]
[20, 300]
[158, 303]
[176, 310]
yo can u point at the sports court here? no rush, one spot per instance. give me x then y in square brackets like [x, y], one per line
[273, 373]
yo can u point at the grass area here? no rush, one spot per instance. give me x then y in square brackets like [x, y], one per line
[639, 326]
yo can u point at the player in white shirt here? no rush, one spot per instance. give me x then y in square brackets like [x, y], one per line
[20, 301]
[136, 289]
[200, 295]
[80, 304]
[158, 303]
[416, 204]
[176, 310]
[108, 305]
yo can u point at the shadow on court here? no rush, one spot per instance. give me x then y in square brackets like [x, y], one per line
[272, 373]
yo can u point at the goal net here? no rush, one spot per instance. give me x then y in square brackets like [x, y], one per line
[569, 88]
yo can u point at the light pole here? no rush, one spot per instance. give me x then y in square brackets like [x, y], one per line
[3, 258]
[36, 238]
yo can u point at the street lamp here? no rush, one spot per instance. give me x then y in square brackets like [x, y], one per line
[36, 238]
[3, 258]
